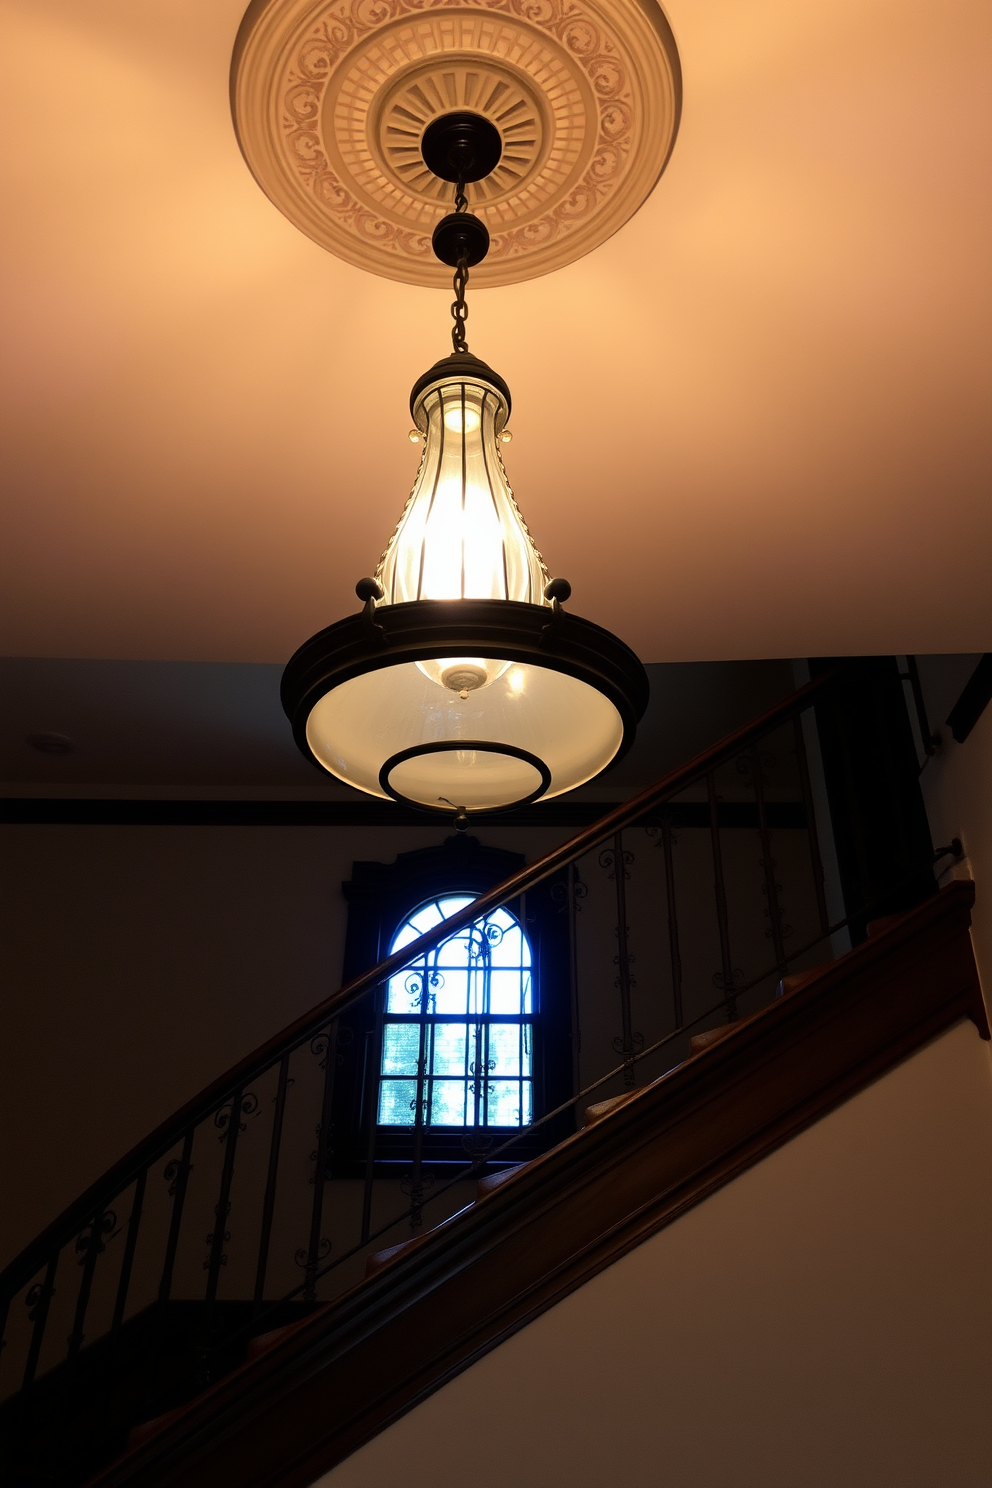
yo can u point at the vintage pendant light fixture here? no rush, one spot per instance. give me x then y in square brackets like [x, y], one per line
[463, 686]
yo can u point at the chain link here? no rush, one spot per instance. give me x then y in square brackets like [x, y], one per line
[459, 309]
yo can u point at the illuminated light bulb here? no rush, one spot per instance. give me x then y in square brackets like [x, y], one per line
[455, 418]
[516, 681]
[463, 673]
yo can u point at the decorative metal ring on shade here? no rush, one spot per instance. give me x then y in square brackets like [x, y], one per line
[478, 753]
[331, 99]
[567, 694]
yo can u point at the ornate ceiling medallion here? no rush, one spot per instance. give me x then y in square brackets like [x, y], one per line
[332, 97]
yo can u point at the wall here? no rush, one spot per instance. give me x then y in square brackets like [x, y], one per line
[141, 962]
[957, 789]
[824, 1319]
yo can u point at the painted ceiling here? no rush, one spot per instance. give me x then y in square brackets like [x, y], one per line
[754, 423]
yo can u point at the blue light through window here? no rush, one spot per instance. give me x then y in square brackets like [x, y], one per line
[458, 1029]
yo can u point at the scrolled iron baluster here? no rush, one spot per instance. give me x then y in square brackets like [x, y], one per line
[176, 1174]
[220, 1234]
[38, 1301]
[616, 862]
[666, 841]
[130, 1245]
[373, 1078]
[729, 976]
[90, 1244]
[271, 1178]
[308, 1261]
[812, 836]
[755, 764]
[324, 1049]
[413, 1183]
[248, 1106]
[567, 896]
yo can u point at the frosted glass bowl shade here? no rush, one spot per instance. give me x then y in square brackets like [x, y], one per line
[563, 704]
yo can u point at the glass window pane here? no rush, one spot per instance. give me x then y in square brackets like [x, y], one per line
[449, 1049]
[504, 1103]
[418, 924]
[450, 990]
[448, 1104]
[508, 950]
[483, 969]
[504, 1048]
[406, 990]
[400, 1048]
[397, 1100]
[506, 992]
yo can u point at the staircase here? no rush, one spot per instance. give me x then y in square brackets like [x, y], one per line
[137, 1379]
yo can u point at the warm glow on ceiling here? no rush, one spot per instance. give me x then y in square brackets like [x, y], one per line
[755, 422]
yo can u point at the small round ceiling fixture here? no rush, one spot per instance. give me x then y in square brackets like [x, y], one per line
[463, 687]
[338, 104]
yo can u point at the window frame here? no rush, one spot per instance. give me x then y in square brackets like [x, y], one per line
[478, 1046]
[380, 897]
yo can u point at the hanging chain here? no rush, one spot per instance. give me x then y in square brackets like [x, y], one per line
[459, 309]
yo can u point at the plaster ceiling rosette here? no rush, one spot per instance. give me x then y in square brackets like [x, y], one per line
[331, 98]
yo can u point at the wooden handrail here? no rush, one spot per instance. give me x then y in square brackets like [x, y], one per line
[155, 1146]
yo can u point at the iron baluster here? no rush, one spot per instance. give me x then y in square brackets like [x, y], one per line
[773, 910]
[5, 1301]
[221, 1234]
[416, 1184]
[177, 1175]
[629, 1041]
[576, 891]
[317, 1247]
[271, 1177]
[372, 1081]
[725, 977]
[39, 1300]
[811, 833]
[673, 923]
[89, 1245]
[130, 1246]
[478, 1086]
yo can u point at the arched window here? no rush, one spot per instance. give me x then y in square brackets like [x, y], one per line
[481, 1028]
[458, 1032]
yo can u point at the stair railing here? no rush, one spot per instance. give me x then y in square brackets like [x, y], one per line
[210, 1130]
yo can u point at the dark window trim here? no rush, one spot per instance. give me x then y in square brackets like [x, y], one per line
[380, 896]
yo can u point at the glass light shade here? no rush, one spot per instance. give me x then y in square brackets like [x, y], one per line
[533, 731]
[461, 688]
[461, 535]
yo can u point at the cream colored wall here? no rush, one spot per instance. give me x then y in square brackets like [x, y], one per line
[825, 1319]
[957, 789]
